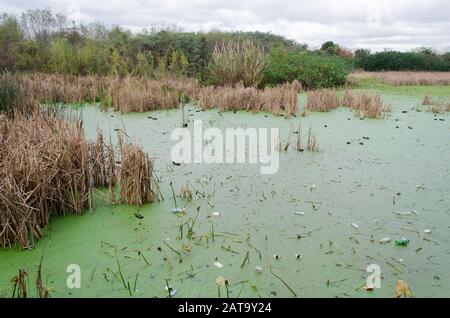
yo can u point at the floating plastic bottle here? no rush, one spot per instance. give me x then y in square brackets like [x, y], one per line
[402, 242]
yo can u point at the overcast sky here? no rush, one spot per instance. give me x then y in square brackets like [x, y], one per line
[395, 24]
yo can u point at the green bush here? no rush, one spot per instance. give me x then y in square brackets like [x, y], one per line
[403, 61]
[313, 71]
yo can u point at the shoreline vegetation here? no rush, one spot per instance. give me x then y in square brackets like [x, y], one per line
[402, 78]
[47, 167]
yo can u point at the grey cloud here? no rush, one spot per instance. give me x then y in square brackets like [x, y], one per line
[375, 24]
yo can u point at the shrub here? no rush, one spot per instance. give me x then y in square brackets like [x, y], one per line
[402, 61]
[313, 71]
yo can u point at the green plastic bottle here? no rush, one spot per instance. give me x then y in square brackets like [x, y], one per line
[402, 242]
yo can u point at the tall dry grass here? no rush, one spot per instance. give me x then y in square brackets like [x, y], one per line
[364, 104]
[136, 175]
[141, 94]
[65, 89]
[322, 100]
[133, 94]
[404, 78]
[43, 170]
[279, 99]
[48, 168]
[436, 106]
[238, 61]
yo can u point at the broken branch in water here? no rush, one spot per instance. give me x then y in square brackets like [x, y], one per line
[285, 284]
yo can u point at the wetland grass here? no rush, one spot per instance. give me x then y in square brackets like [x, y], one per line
[136, 175]
[436, 107]
[277, 100]
[47, 167]
[364, 104]
[44, 170]
[402, 78]
[322, 100]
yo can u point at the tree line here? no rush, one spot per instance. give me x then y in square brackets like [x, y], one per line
[42, 41]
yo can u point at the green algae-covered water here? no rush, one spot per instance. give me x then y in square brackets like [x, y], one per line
[396, 184]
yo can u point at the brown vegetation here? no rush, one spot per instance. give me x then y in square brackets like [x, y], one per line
[312, 142]
[140, 94]
[322, 100]
[404, 78]
[436, 107]
[136, 174]
[278, 99]
[48, 168]
[364, 105]
[133, 94]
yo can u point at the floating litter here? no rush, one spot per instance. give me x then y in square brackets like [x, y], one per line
[385, 240]
[171, 290]
[218, 264]
[258, 269]
[354, 225]
[178, 210]
[402, 242]
[215, 213]
[300, 213]
[427, 231]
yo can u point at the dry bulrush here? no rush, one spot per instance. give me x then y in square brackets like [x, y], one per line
[322, 100]
[436, 107]
[136, 175]
[51, 88]
[48, 168]
[278, 99]
[98, 161]
[427, 100]
[141, 94]
[365, 105]
[405, 78]
[43, 171]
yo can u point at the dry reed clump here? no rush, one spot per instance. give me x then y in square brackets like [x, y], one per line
[322, 100]
[427, 101]
[365, 105]
[278, 99]
[404, 78]
[136, 175]
[66, 89]
[140, 94]
[48, 168]
[44, 171]
[436, 107]
[131, 94]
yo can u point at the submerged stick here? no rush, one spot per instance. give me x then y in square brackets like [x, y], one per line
[285, 284]
[120, 273]
[173, 193]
